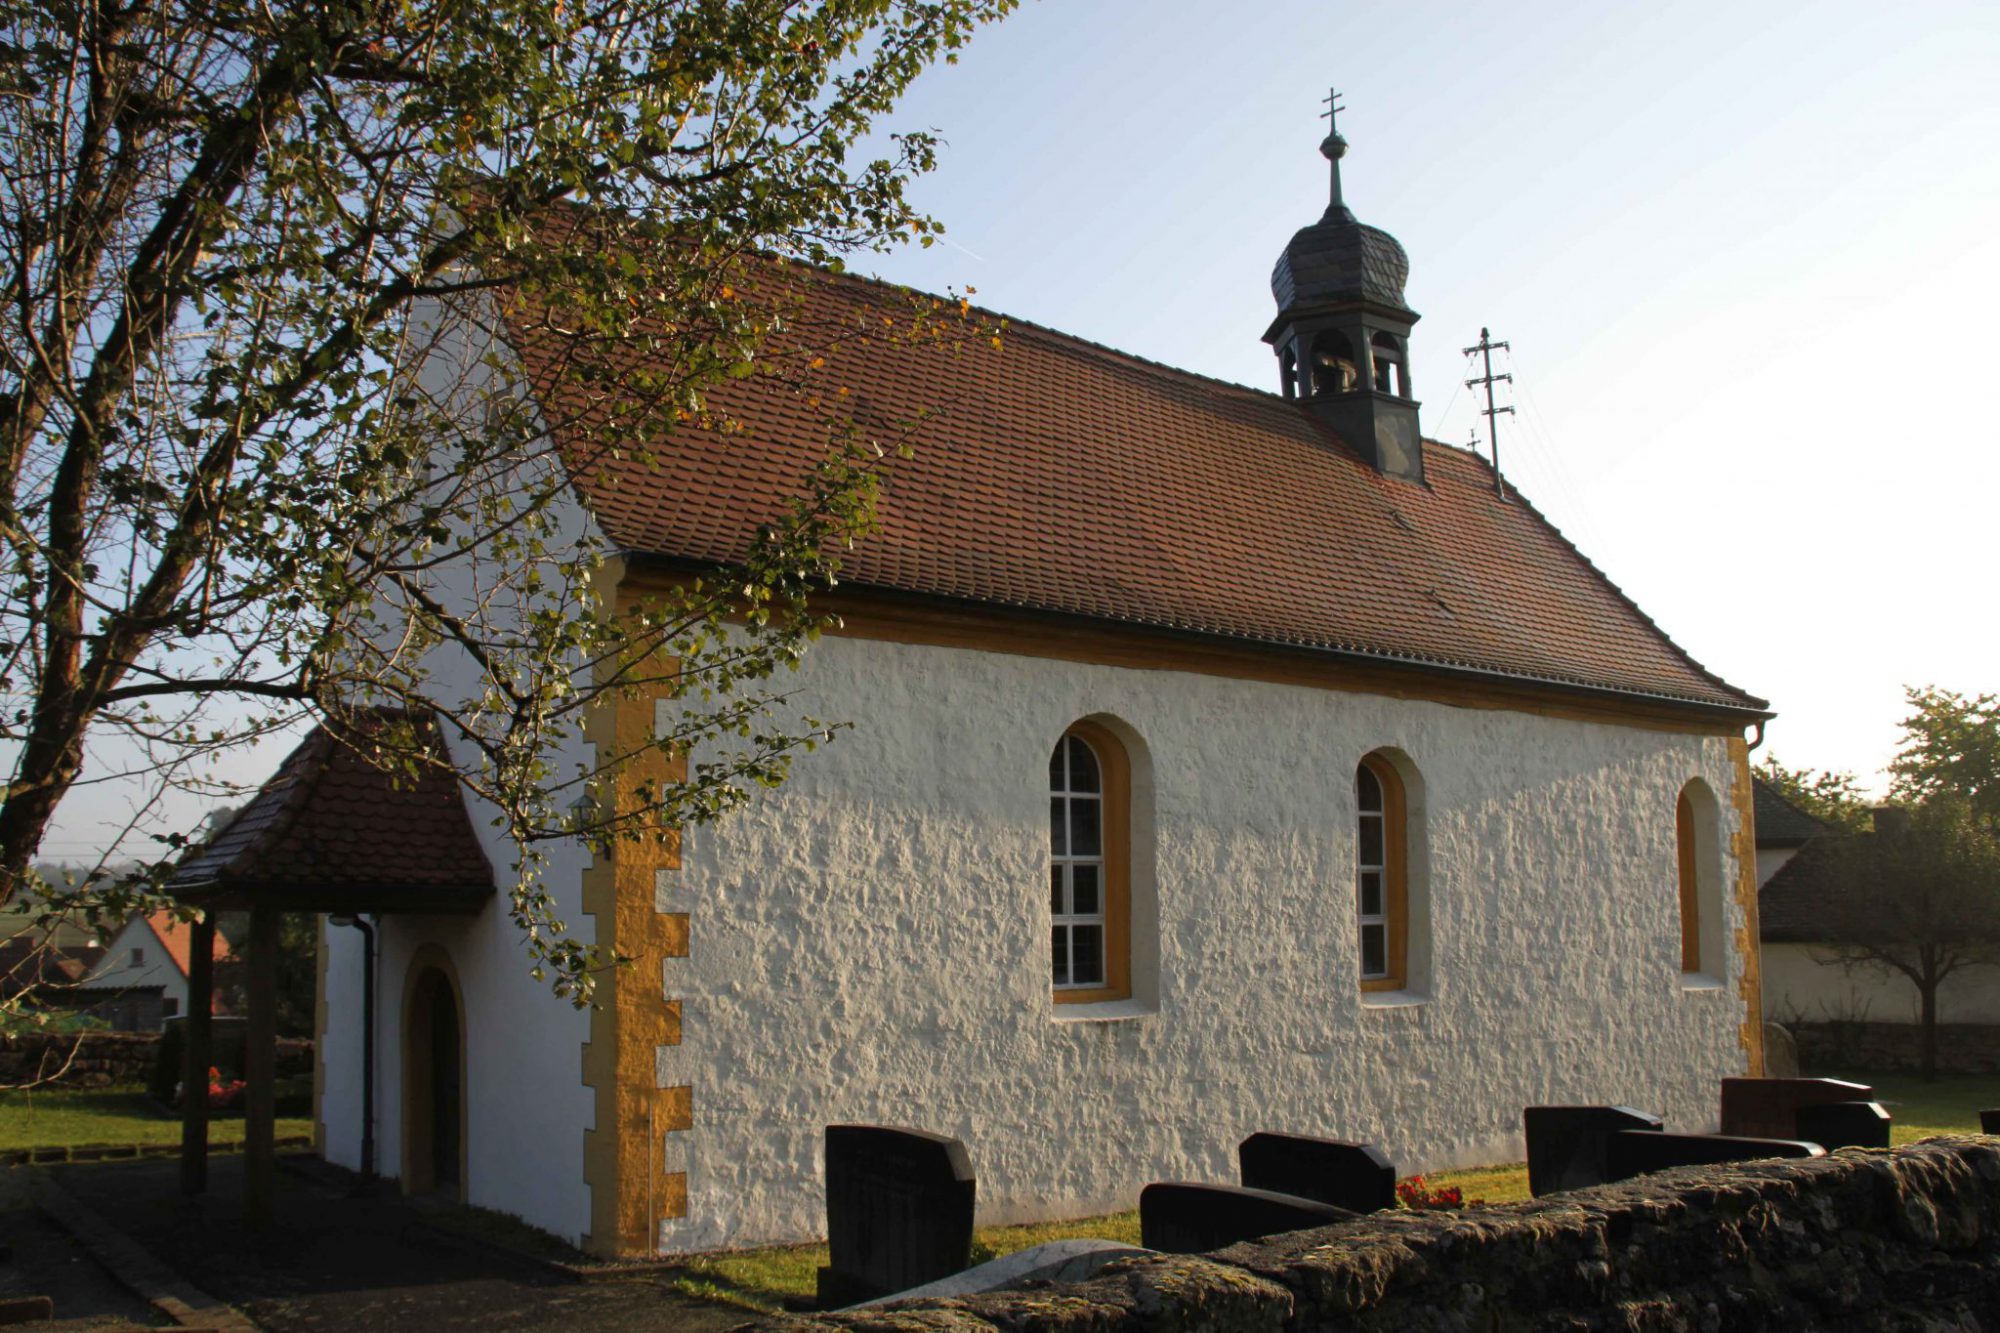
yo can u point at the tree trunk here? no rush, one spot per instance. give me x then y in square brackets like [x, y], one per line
[1928, 1022]
[260, 1068]
[195, 1031]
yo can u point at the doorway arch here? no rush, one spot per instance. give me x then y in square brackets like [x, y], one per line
[434, 1085]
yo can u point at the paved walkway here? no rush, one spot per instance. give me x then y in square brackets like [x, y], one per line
[332, 1261]
[45, 1260]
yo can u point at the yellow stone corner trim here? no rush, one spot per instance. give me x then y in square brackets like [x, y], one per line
[1743, 843]
[623, 1159]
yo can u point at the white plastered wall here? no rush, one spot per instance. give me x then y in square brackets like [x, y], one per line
[526, 1106]
[869, 942]
[1805, 983]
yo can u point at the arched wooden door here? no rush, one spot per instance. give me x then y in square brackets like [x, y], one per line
[433, 1079]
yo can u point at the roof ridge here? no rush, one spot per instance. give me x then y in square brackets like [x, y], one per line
[1777, 794]
[1056, 335]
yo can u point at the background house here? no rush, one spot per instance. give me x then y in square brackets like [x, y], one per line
[142, 978]
[1808, 989]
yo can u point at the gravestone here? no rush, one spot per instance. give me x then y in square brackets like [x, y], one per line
[1768, 1108]
[1177, 1217]
[1566, 1143]
[1354, 1176]
[1781, 1052]
[1630, 1153]
[898, 1211]
[1989, 1122]
[1845, 1125]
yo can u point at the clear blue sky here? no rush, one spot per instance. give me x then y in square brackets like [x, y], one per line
[1747, 254]
[1748, 257]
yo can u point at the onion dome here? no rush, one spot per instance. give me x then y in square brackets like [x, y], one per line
[1339, 259]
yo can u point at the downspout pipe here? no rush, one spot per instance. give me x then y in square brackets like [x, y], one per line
[367, 930]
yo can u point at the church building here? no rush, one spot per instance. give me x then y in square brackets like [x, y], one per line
[1222, 760]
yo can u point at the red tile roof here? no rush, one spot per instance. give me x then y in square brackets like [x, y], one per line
[177, 938]
[1057, 475]
[331, 831]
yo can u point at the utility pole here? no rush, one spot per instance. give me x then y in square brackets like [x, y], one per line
[1492, 413]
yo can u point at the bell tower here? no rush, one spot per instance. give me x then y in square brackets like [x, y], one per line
[1343, 329]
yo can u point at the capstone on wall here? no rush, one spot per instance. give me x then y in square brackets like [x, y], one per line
[870, 942]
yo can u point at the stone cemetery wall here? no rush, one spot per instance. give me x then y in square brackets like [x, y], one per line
[85, 1060]
[108, 1059]
[1965, 1048]
[1856, 1240]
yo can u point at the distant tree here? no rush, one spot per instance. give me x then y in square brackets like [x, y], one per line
[1951, 747]
[1833, 798]
[1919, 898]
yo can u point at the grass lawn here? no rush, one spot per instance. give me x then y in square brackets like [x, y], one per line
[1951, 1105]
[71, 1117]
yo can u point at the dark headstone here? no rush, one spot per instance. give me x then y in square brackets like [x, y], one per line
[1566, 1143]
[1845, 1125]
[1181, 1218]
[1630, 1153]
[27, 1309]
[1354, 1176]
[1989, 1122]
[1768, 1108]
[898, 1211]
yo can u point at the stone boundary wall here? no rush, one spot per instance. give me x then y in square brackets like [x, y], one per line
[106, 1059]
[1963, 1048]
[101, 1059]
[1859, 1240]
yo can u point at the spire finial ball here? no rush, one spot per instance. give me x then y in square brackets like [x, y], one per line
[1333, 148]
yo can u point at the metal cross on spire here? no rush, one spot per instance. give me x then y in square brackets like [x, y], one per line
[1334, 148]
[1332, 102]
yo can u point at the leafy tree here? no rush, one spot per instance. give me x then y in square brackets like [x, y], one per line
[1919, 897]
[237, 242]
[1951, 747]
[1833, 798]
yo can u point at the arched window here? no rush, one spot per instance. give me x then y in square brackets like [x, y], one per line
[1696, 846]
[1334, 369]
[1090, 787]
[1690, 896]
[1390, 377]
[1288, 371]
[1381, 874]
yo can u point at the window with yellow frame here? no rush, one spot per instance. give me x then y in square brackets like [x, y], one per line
[1381, 874]
[1090, 856]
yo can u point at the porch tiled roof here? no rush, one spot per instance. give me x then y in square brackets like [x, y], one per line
[332, 831]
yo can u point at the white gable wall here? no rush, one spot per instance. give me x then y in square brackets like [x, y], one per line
[870, 942]
[527, 1108]
[155, 968]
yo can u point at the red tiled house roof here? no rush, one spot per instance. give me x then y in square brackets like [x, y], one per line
[177, 938]
[1059, 476]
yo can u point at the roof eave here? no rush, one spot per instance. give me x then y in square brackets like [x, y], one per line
[1753, 711]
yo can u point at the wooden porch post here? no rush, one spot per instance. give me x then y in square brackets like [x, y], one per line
[197, 1053]
[260, 1066]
